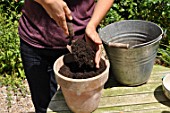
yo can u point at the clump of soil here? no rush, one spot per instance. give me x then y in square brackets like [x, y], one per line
[83, 65]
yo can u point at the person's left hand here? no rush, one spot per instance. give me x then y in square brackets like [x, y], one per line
[92, 38]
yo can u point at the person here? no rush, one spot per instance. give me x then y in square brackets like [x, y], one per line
[43, 35]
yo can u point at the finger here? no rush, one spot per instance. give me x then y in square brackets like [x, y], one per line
[97, 48]
[51, 16]
[65, 27]
[98, 56]
[62, 23]
[68, 12]
[59, 18]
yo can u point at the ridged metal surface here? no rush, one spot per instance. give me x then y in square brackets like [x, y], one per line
[132, 66]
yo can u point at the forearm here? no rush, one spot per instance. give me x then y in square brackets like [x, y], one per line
[92, 36]
[100, 11]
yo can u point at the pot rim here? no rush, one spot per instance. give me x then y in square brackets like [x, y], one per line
[80, 80]
[164, 82]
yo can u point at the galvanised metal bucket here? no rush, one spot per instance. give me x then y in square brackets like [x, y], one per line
[131, 66]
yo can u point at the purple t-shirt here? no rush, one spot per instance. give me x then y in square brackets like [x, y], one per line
[39, 30]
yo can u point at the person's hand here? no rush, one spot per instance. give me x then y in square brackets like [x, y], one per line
[95, 42]
[57, 10]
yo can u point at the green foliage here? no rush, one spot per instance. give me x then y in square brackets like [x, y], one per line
[157, 11]
[11, 9]
[11, 69]
[165, 56]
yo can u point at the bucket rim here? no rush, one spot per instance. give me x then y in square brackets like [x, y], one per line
[145, 21]
[159, 37]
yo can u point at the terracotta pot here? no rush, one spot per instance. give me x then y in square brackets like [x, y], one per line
[81, 95]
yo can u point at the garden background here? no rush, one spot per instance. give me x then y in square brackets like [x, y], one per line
[11, 70]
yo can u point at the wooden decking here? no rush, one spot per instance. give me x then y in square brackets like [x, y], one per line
[116, 98]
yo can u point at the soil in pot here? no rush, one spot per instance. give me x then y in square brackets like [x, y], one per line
[83, 65]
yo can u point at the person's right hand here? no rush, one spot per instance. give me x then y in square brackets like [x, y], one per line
[57, 10]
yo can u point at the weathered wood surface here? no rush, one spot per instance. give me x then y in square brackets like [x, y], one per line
[116, 98]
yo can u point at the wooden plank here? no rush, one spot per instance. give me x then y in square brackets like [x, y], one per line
[142, 108]
[125, 101]
[142, 102]
[116, 91]
[158, 68]
[133, 99]
[116, 98]
[135, 108]
[59, 112]
[58, 106]
[152, 111]
[155, 110]
[154, 82]
[58, 96]
[154, 78]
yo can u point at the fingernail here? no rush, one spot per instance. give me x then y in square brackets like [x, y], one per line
[97, 66]
[67, 33]
[71, 18]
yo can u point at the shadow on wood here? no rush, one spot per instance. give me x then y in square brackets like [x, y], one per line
[165, 111]
[159, 95]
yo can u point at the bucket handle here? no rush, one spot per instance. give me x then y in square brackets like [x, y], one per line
[118, 45]
[164, 33]
[127, 46]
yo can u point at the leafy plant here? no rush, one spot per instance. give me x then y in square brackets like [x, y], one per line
[157, 11]
[11, 69]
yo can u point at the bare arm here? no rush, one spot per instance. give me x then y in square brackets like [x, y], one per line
[58, 10]
[100, 11]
